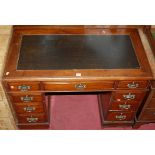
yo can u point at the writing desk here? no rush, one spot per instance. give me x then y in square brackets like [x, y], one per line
[110, 62]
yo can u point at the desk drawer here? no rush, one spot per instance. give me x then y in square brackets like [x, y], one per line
[29, 108]
[78, 86]
[125, 106]
[27, 104]
[119, 116]
[25, 98]
[34, 118]
[132, 84]
[23, 86]
[148, 115]
[128, 95]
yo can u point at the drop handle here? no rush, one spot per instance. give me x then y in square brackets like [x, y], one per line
[24, 88]
[32, 119]
[129, 96]
[124, 106]
[29, 109]
[27, 98]
[80, 86]
[120, 117]
[133, 85]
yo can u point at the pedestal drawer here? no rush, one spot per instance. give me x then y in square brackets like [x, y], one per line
[23, 86]
[34, 118]
[119, 116]
[125, 105]
[29, 108]
[132, 84]
[78, 86]
[18, 98]
[128, 95]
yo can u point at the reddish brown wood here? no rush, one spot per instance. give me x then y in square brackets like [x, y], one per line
[119, 116]
[148, 115]
[147, 112]
[78, 86]
[120, 95]
[120, 74]
[151, 104]
[90, 80]
[124, 106]
[29, 108]
[16, 86]
[23, 118]
[153, 95]
[132, 84]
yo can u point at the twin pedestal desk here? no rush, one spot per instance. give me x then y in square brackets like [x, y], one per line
[107, 61]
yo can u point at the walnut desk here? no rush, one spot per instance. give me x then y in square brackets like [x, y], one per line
[110, 62]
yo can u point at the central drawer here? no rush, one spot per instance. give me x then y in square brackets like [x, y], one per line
[78, 86]
[153, 94]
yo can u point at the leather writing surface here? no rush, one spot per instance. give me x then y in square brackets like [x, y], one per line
[61, 52]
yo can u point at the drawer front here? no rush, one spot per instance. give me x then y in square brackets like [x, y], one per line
[128, 95]
[132, 84]
[34, 118]
[29, 108]
[78, 86]
[24, 86]
[25, 98]
[151, 103]
[148, 115]
[119, 116]
[34, 126]
[125, 106]
[27, 104]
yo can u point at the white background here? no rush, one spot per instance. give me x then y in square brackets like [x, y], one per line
[77, 12]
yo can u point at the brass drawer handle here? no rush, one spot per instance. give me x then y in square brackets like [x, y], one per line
[133, 85]
[80, 86]
[120, 117]
[29, 109]
[124, 106]
[129, 96]
[24, 88]
[27, 98]
[32, 119]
